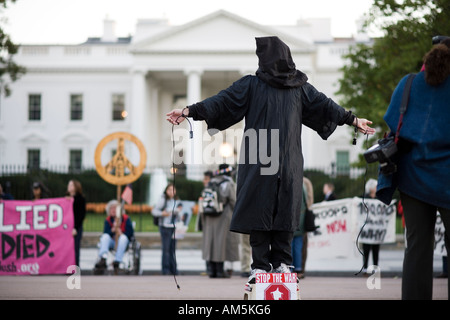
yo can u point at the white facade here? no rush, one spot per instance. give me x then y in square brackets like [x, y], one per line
[161, 67]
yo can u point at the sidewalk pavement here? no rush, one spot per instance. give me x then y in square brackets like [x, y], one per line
[194, 290]
[326, 279]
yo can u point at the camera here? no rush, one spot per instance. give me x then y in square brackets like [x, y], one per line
[383, 152]
[438, 39]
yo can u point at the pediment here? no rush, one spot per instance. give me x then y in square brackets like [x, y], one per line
[75, 136]
[33, 137]
[220, 31]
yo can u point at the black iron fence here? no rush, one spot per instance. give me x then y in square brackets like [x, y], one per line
[18, 180]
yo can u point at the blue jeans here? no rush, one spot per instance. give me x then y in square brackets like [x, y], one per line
[107, 243]
[169, 264]
[297, 246]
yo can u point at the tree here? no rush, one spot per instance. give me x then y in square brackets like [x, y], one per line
[8, 68]
[372, 71]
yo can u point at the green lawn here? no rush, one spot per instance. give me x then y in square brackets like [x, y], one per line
[144, 222]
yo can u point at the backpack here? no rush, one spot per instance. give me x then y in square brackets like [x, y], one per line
[212, 202]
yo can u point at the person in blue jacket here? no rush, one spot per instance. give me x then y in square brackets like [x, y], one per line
[423, 174]
[108, 239]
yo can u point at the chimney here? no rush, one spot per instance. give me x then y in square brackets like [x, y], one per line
[109, 30]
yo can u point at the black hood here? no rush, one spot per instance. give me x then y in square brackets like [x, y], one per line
[276, 66]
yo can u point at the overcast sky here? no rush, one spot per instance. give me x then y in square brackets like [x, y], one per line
[73, 21]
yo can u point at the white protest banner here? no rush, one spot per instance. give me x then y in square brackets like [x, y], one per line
[335, 236]
[340, 222]
[378, 220]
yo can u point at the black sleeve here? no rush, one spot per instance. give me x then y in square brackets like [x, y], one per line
[79, 211]
[226, 108]
[321, 113]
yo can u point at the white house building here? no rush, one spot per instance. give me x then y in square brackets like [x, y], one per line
[74, 95]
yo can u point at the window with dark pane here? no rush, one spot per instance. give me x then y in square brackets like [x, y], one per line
[75, 160]
[76, 107]
[34, 107]
[118, 107]
[33, 158]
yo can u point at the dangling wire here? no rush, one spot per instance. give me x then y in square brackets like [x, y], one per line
[173, 208]
[367, 211]
[174, 189]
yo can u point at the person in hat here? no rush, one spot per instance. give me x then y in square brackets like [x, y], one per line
[275, 103]
[39, 191]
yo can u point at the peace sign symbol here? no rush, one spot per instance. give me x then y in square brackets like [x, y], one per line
[115, 171]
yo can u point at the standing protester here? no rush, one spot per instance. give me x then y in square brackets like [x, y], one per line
[40, 191]
[370, 192]
[309, 202]
[167, 210]
[297, 241]
[75, 191]
[5, 195]
[328, 192]
[275, 104]
[219, 244]
[423, 167]
[37, 191]
[207, 176]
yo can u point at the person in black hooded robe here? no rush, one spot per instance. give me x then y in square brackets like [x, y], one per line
[279, 100]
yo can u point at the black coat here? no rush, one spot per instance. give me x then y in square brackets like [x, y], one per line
[271, 201]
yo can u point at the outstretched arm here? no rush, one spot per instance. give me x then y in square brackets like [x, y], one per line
[220, 111]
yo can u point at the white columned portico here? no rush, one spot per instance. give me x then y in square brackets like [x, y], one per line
[194, 150]
[138, 112]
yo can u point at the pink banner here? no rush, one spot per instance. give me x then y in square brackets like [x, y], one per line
[36, 236]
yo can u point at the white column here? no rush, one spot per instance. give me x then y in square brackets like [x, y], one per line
[138, 112]
[154, 125]
[194, 150]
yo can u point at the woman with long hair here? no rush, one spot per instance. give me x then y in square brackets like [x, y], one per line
[423, 172]
[167, 211]
[75, 190]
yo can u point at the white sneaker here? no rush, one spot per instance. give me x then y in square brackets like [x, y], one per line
[283, 268]
[252, 278]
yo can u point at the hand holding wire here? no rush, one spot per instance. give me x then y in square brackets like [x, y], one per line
[177, 116]
[363, 126]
